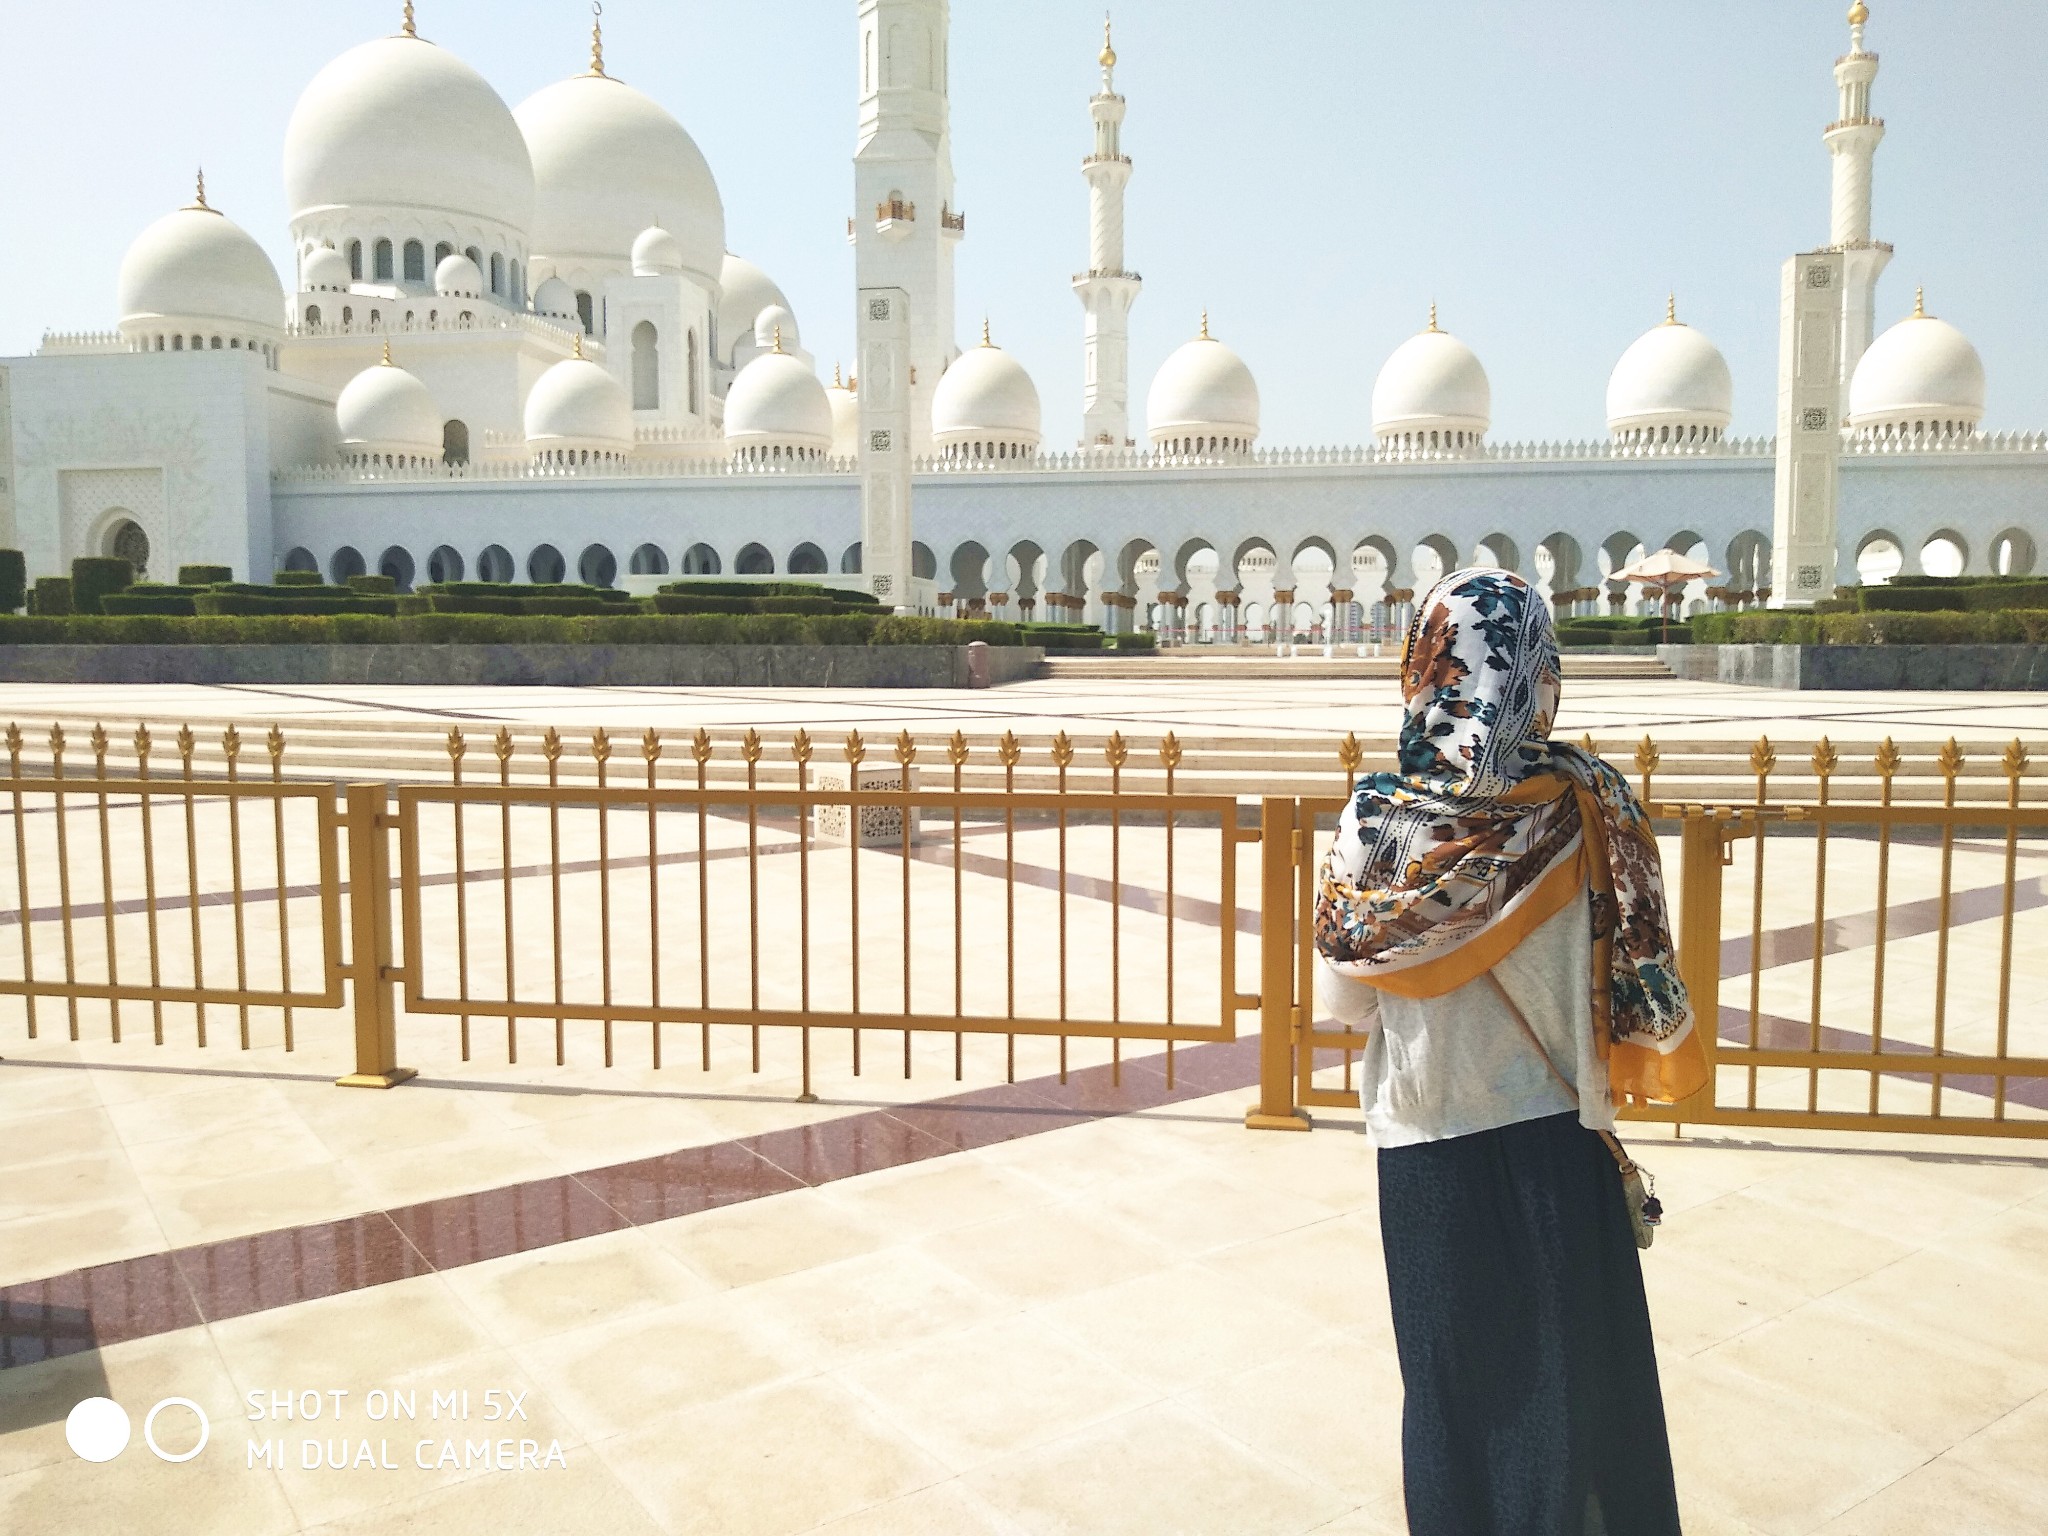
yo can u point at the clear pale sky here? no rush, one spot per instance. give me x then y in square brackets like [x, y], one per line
[1314, 171]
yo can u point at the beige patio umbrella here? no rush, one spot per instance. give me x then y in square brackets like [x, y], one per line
[1666, 571]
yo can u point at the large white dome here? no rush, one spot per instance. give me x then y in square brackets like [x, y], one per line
[777, 407]
[401, 126]
[1671, 380]
[656, 251]
[1920, 377]
[985, 397]
[845, 419]
[744, 291]
[576, 405]
[325, 271]
[199, 265]
[556, 300]
[607, 162]
[1202, 390]
[1432, 383]
[387, 411]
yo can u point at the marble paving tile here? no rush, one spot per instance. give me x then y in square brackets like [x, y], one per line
[354, 1341]
[763, 1239]
[588, 1496]
[34, 1399]
[1944, 1495]
[1040, 1254]
[838, 1313]
[944, 1509]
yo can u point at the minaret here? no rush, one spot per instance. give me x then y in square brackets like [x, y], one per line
[905, 225]
[1106, 290]
[1852, 140]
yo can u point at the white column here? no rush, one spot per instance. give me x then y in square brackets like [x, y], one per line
[1106, 290]
[885, 327]
[905, 223]
[1809, 430]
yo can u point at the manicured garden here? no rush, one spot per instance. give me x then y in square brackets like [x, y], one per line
[1908, 610]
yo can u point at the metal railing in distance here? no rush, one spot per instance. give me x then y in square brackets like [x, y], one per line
[181, 886]
[872, 895]
[1872, 945]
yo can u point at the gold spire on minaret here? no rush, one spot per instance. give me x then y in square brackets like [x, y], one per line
[1671, 308]
[1432, 316]
[1859, 13]
[408, 29]
[597, 38]
[199, 204]
[1107, 58]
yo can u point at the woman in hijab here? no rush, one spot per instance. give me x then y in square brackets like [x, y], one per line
[1494, 914]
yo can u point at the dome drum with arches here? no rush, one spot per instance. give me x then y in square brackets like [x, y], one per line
[1432, 396]
[1671, 387]
[578, 412]
[777, 411]
[197, 270]
[986, 407]
[1921, 381]
[387, 417]
[1203, 400]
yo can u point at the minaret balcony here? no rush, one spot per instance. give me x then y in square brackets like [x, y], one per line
[1853, 122]
[895, 218]
[951, 224]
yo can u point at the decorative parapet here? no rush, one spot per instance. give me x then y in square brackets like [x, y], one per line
[81, 343]
[1856, 445]
[486, 317]
[502, 471]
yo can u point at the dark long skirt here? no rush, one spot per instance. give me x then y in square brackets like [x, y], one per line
[1532, 1400]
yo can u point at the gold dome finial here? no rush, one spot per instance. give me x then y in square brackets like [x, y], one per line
[199, 204]
[579, 344]
[1107, 58]
[984, 332]
[1859, 13]
[778, 338]
[408, 29]
[1432, 316]
[1205, 336]
[387, 354]
[1671, 308]
[597, 38]
[836, 381]
[1920, 304]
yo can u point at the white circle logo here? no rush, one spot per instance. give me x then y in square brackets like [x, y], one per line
[149, 1428]
[98, 1429]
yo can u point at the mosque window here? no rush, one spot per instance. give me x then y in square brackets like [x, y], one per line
[497, 274]
[444, 564]
[347, 562]
[415, 262]
[518, 285]
[355, 260]
[442, 252]
[382, 267]
[348, 314]
[586, 314]
[754, 561]
[545, 566]
[646, 367]
[494, 564]
[649, 560]
[455, 444]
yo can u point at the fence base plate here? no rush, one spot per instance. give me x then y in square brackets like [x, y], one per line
[1254, 1121]
[389, 1079]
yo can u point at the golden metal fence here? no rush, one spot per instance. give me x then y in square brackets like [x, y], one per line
[1857, 929]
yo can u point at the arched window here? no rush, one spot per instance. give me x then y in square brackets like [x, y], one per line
[347, 562]
[355, 260]
[518, 284]
[177, 343]
[696, 400]
[649, 560]
[125, 540]
[545, 566]
[495, 564]
[455, 443]
[216, 343]
[397, 564]
[297, 559]
[497, 274]
[444, 564]
[312, 314]
[701, 560]
[646, 367]
[849, 563]
[381, 266]
[442, 252]
[348, 314]
[586, 314]
[597, 567]
[807, 560]
[754, 561]
[476, 257]
[415, 262]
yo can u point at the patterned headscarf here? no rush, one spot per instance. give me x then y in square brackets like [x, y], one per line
[1489, 828]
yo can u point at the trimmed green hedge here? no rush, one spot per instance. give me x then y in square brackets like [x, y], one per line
[148, 598]
[1623, 629]
[2004, 627]
[207, 575]
[691, 602]
[241, 600]
[712, 586]
[1144, 640]
[1952, 594]
[13, 580]
[494, 629]
[96, 576]
[298, 579]
[51, 597]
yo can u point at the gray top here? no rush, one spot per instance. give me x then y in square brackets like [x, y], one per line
[1438, 1067]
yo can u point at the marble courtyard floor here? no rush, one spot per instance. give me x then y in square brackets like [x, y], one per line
[988, 1296]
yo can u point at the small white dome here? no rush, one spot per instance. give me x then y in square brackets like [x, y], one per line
[386, 410]
[1202, 390]
[776, 403]
[744, 291]
[986, 397]
[400, 125]
[1921, 376]
[578, 405]
[845, 419]
[326, 271]
[556, 298]
[655, 252]
[458, 278]
[198, 265]
[776, 317]
[606, 161]
[1670, 377]
[1432, 383]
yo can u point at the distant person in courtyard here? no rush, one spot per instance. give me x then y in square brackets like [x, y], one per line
[1493, 913]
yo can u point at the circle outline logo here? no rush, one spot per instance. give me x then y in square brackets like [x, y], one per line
[149, 1428]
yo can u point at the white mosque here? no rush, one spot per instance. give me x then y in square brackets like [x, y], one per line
[516, 347]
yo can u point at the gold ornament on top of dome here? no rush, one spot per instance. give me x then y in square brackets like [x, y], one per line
[1671, 308]
[984, 332]
[597, 39]
[408, 28]
[1433, 326]
[1859, 13]
[1107, 58]
[1205, 336]
[1920, 305]
[199, 204]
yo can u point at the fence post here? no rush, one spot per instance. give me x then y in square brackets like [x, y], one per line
[369, 924]
[1276, 1109]
[1703, 841]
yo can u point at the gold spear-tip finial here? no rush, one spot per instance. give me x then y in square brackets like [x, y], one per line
[1108, 55]
[1432, 316]
[597, 38]
[409, 28]
[1859, 13]
[387, 354]
[778, 338]
[836, 381]
[199, 204]
[1671, 308]
[1205, 336]
[984, 332]
[1920, 304]
[579, 344]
